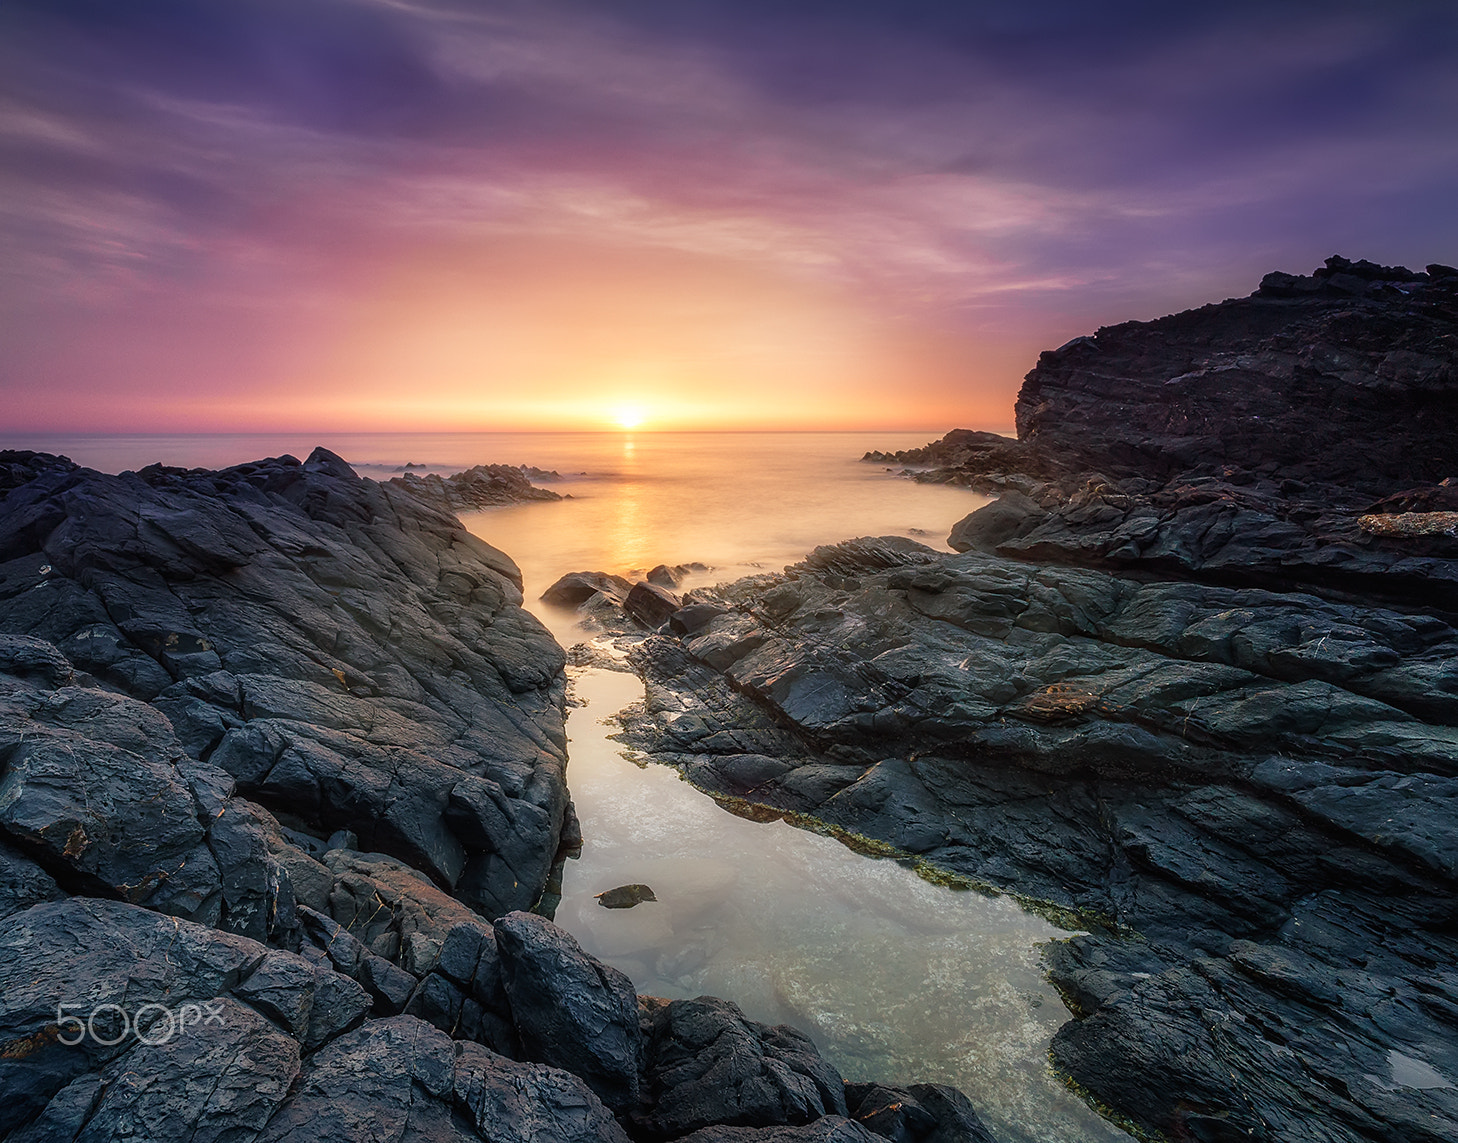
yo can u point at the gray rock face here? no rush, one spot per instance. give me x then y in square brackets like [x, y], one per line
[707, 1064]
[226, 1039]
[116, 998]
[514, 1102]
[348, 655]
[570, 1010]
[1169, 683]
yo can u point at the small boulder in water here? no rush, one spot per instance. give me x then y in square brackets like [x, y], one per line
[625, 896]
[665, 576]
[576, 588]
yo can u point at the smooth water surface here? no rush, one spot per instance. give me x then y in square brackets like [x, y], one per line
[738, 502]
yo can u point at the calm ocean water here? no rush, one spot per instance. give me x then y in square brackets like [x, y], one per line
[895, 979]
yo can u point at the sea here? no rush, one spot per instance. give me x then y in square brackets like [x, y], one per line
[893, 977]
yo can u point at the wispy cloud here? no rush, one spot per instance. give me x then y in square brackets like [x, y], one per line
[998, 170]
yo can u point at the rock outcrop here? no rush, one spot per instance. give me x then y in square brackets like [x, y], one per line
[616, 605]
[1169, 684]
[352, 659]
[484, 486]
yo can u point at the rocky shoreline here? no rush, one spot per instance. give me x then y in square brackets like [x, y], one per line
[1193, 677]
[483, 486]
[282, 769]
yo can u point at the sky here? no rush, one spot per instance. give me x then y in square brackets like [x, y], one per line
[355, 215]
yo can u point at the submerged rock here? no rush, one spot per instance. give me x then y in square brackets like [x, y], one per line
[625, 896]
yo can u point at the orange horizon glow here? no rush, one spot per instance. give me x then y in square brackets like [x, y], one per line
[550, 336]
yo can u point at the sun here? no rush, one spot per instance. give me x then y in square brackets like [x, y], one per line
[629, 416]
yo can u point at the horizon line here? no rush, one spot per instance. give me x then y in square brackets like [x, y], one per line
[6, 433]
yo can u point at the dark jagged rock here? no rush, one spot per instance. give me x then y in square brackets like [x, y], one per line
[922, 1113]
[651, 605]
[484, 486]
[571, 1011]
[345, 653]
[23, 882]
[82, 954]
[1355, 387]
[406, 1081]
[706, 1064]
[1175, 682]
[514, 1102]
[831, 1129]
[1241, 442]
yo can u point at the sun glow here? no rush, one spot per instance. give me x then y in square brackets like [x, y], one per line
[629, 416]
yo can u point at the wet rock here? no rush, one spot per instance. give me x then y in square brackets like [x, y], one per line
[706, 1064]
[345, 653]
[650, 604]
[484, 486]
[571, 1010]
[923, 1113]
[625, 896]
[576, 588]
